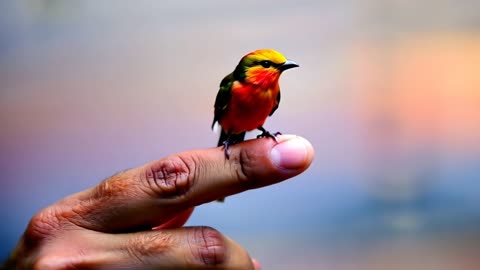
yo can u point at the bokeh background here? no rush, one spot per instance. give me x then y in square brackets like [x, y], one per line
[388, 93]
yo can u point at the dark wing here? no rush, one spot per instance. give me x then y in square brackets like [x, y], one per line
[223, 98]
[276, 104]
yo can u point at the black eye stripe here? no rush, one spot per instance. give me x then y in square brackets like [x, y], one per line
[267, 64]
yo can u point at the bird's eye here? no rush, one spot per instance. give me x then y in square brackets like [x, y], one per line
[266, 63]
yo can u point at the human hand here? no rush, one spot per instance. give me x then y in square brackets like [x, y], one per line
[110, 225]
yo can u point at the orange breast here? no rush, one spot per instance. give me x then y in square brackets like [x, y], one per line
[249, 107]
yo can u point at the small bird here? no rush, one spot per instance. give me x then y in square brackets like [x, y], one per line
[248, 95]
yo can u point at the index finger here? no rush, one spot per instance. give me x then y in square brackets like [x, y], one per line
[149, 195]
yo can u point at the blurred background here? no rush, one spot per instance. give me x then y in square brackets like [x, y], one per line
[388, 93]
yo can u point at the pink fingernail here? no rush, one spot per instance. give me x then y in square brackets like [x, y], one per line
[290, 154]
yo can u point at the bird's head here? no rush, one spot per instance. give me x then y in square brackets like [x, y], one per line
[262, 66]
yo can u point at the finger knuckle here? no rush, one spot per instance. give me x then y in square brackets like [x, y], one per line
[207, 246]
[170, 177]
[243, 168]
[43, 225]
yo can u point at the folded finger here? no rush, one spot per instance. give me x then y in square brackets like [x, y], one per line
[180, 248]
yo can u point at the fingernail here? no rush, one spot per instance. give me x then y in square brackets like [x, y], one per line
[256, 264]
[290, 154]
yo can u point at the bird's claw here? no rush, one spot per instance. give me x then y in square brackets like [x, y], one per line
[267, 134]
[226, 145]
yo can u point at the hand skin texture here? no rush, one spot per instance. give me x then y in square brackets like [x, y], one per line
[110, 225]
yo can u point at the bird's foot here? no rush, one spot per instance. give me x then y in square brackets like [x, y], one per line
[267, 134]
[226, 144]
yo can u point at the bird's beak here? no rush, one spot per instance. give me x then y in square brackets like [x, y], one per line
[287, 65]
